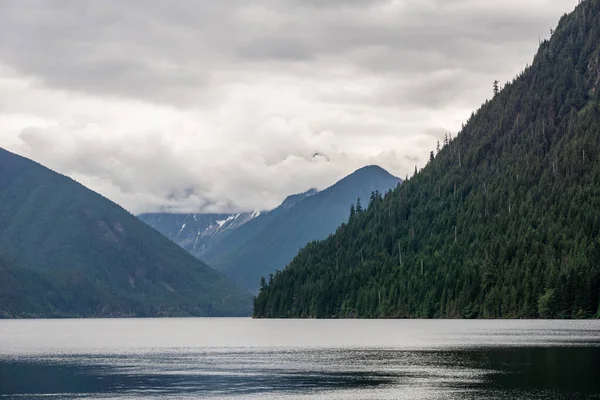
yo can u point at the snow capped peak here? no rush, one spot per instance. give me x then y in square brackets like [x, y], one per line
[224, 221]
[255, 214]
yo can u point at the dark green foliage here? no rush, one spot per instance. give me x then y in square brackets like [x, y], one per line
[504, 222]
[67, 251]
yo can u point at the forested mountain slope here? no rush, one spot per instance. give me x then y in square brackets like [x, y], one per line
[504, 222]
[271, 241]
[68, 251]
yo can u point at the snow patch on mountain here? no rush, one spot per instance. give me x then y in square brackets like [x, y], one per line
[230, 218]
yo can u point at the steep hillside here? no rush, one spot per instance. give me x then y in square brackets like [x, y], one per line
[271, 241]
[196, 232]
[238, 237]
[504, 222]
[67, 251]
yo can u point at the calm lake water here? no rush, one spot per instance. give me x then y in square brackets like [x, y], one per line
[299, 359]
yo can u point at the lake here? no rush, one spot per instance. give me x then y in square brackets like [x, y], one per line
[299, 359]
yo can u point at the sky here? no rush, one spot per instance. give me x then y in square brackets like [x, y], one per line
[225, 106]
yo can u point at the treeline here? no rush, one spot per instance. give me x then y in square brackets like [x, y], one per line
[504, 221]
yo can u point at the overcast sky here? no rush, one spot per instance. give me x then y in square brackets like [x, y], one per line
[229, 105]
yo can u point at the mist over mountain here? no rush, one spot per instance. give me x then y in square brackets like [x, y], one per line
[196, 232]
[262, 242]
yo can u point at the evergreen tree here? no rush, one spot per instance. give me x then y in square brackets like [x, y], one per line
[503, 223]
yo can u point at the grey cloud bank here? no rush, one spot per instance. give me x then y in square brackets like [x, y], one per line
[221, 106]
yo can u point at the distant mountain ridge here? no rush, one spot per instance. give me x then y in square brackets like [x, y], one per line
[278, 237]
[66, 251]
[240, 236]
[294, 199]
[195, 232]
[267, 242]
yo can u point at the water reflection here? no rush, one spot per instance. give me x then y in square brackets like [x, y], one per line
[35, 377]
[461, 362]
[458, 374]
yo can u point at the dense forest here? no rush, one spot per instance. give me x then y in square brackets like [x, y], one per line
[66, 251]
[503, 222]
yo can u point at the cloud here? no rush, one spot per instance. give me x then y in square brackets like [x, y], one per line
[175, 52]
[232, 105]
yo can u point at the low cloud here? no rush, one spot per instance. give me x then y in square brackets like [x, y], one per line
[224, 106]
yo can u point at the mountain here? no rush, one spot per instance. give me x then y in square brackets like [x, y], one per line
[270, 241]
[243, 233]
[66, 251]
[196, 232]
[202, 233]
[292, 200]
[504, 222]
